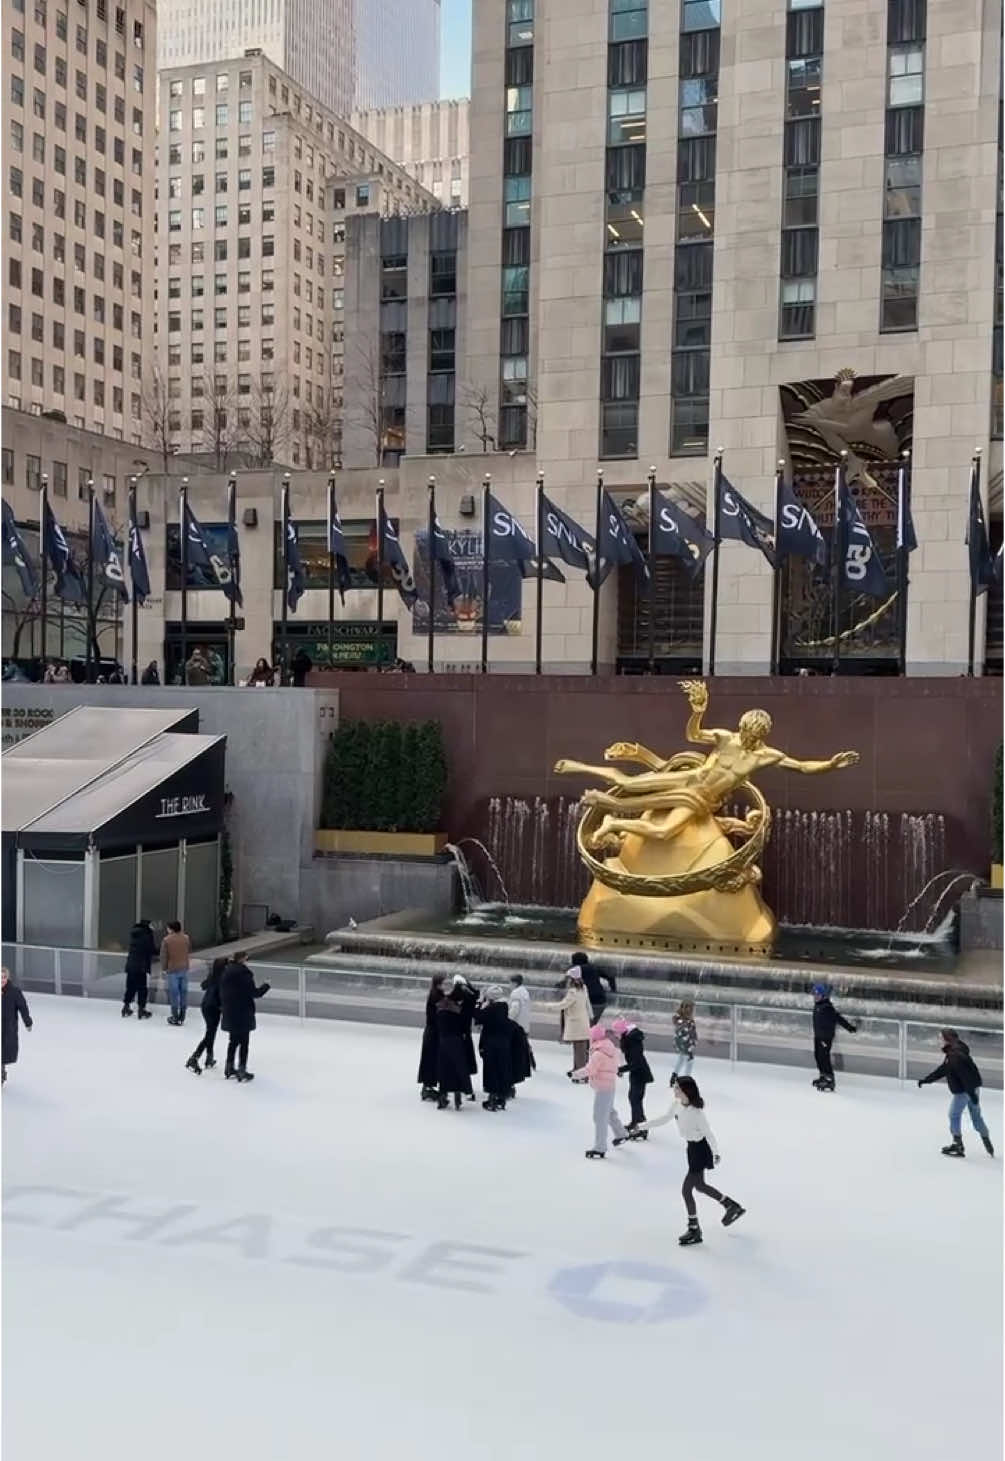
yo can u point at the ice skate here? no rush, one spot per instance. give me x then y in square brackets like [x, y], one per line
[442, 1102]
[693, 1234]
[126, 1011]
[173, 1020]
[733, 1210]
[490, 1104]
[210, 1062]
[193, 1065]
[228, 1071]
[955, 1148]
[428, 1093]
[987, 1145]
[245, 1075]
[616, 1141]
[592, 1153]
[825, 1083]
[457, 1100]
[143, 1014]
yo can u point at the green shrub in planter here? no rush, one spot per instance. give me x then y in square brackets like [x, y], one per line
[384, 777]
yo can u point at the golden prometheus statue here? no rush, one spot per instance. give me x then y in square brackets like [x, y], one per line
[666, 873]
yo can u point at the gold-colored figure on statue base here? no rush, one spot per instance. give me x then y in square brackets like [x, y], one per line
[666, 874]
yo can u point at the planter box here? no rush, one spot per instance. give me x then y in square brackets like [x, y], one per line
[996, 874]
[384, 844]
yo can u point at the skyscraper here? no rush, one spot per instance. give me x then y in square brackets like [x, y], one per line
[345, 53]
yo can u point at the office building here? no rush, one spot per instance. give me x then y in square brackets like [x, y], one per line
[430, 140]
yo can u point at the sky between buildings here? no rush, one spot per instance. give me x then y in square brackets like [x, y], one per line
[455, 63]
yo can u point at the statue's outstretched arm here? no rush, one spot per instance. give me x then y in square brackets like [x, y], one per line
[632, 751]
[697, 694]
[814, 768]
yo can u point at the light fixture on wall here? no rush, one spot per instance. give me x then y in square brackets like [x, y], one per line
[466, 506]
[143, 519]
[250, 517]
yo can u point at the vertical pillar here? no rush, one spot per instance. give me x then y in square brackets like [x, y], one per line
[20, 896]
[180, 900]
[92, 895]
[138, 910]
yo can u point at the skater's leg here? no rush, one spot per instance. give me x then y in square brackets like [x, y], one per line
[603, 1106]
[636, 1092]
[822, 1052]
[687, 1192]
[242, 1052]
[174, 994]
[957, 1105]
[183, 992]
[700, 1185]
[688, 1065]
[615, 1122]
[208, 1040]
[232, 1044]
[580, 1053]
[974, 1107]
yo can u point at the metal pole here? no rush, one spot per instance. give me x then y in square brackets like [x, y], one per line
[380, 567]
[486, 550]
[283, 650]
[539, 624]
[716, 524]
[652, 571]
[975, 494]
[91, 637]
[431, 531]
[44, 586]
[902, 1050]
[734, 1042]
[232, 613]
[133, 606]
[596, 574]
[837, 567]
[183, 530]
[331, 571]
[776, 577]
[903, 510]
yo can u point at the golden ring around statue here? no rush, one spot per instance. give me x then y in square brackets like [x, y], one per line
[728, 876]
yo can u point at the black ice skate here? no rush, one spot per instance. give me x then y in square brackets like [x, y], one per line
[592, 1153]
[987, 1145]
[733, 1210]
[228, 1071]
[193, 1065]
[619, 1139]
[457, 1100]
[126, 1011]
[173, 1020]
[428, 1093]
[442, 1102]
[693, 1234]
[245, 1075]
[955, 1148]
[210, 1062]
[143, 1014]
[825, 1083]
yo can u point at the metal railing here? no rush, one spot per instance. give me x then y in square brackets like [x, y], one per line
[771, 1033]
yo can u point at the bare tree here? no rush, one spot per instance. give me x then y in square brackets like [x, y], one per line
[157, 409]
[220, 432]
[270, 418]
[480, 404]
[323, 426]
[531, 417]
[365, 393]
[22, 613]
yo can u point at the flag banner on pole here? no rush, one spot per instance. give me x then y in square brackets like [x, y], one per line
[509, 540]
[797, 534]
[996, 567]
[138, 570]
[336, 546]
[15, 553]
[234, 565]
[213, 565]
[393, 555]
[741, 520]
[861, 566]
[106, 555]
[563, 537]
[982, 564]
[906, 537]
[676, 534]
[70, 586]
[443, 556]
[296, 581]
[617, 545]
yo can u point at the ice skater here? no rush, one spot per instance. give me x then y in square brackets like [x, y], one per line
[964, 1080]
[14, 1007]
[453, 1069]
[574, 1018]
[466, 995]
[139, 961]
[601, 1070]
[593, 983]
[495, 1045]
[633, 1043]
[428, 1070]
[238, 992]
[211, 1018]
[825, 1022]
[688, 1110]
[685, 1040]
[176, 952]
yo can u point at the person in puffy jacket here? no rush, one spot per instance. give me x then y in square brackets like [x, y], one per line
[593, 983]
[211, 1017]
[238, 992]
[685, 1039]
[688, 1112]
[574, 1014]
[963, 1078]
[825, 1022]
[633, 1051]
[139, 958]
[601, 1070]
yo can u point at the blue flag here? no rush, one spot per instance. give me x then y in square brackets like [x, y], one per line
[982, 564]
[861, 566]
[440, 550]
[106, 555]
[563, 537]
[199, 555]
[617, 545]
[676, 534]
[296, 581]
[70, 586]
[336, 544]
[16, 553]
[796, 532]
[391, 552]
[138, 570]
[740, 519]
[234, 565]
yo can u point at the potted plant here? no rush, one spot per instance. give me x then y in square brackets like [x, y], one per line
[384, 786]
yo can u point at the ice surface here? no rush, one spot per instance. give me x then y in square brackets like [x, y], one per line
[320, 1265]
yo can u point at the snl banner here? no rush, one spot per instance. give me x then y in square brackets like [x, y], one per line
[505, 588]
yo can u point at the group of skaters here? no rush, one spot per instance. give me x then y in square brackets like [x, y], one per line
[447, 1060]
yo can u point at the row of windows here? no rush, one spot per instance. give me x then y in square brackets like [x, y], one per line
[60, 73]
[800, 233]
[514, 389]
[79, 213]
[115, 317]
[58, 334]
[98, 178]
[221, 114]
[100, 393]
[901, 259]
[222, 353]
[221, 321]
[98, 262]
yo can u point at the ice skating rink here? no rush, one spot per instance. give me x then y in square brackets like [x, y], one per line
[319, 1265]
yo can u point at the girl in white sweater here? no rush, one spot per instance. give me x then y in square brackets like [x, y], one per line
[702, 1153]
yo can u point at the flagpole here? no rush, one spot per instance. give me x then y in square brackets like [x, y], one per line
[837, 566]
[486, 550]
[776, 577]
[134, 607]
[652, 570]
[975, 495]
[331, 571]
[183, 530]
[596, 573]
[431, 530]
[716, 547]
[44, 588]
[539, 625]
[89, 660]
[380, 568]
[286, 577]
[903, 509]
[232, 611]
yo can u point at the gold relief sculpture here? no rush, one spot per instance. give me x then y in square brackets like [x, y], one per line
[658, 844]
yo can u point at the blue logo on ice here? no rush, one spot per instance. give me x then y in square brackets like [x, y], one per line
[604, 1290]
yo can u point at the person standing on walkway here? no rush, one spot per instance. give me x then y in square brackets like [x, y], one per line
[685, 1040]
[238, 992]
[960, 1073]
[574, 1016]
[688, 1111]
[428, 1061]
[601, 1070]
[825, 1022]
[593, 983]
[14, 1007]
[633, 1051]
[211, 1018]
[139, 960]
[176, 952]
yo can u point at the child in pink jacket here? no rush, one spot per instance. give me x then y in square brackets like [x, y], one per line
[601, 1070]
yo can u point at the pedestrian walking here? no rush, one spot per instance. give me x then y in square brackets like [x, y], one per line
[593, 983]
[685, 1040]
[601, 1070]
[176, 952]
[688, 1112]
[633, 1051]
[452, 1067]
[959, 1071]
[211, 1018]
[574, 1018]
[238, 992]
[13, 1007]
[428, 1057]
[495, 1047]
[825, 1022]
[139, 961]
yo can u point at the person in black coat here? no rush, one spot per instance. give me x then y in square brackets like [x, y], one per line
[594, 985]
[466, 996]
[15, 1007]
[453, 1074]
[238, 992]
[496, 1047]
[428, 1068]
[633, 1048]
[211, 1017]
[825, 1022]
[960, 1073]
[139, 957]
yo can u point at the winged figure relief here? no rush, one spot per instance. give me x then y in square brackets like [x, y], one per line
[846, 419]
